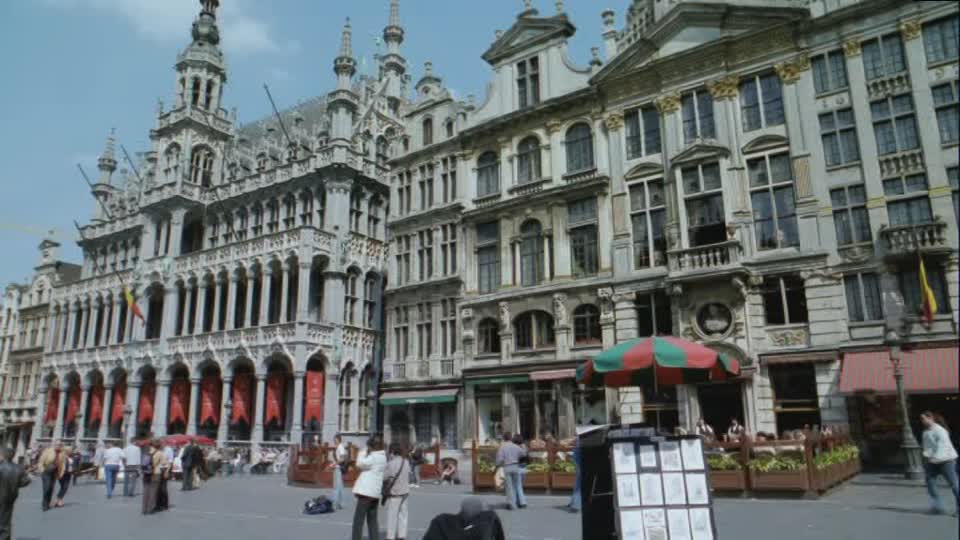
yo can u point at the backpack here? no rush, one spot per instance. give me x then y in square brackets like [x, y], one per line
[146, 463]
[318, 505]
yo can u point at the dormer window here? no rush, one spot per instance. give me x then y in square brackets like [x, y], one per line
[427, 131]
[195, 92]
[528, 82]
[449, 127]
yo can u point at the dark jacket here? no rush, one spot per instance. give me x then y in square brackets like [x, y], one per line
[482, 526]
[12, 478]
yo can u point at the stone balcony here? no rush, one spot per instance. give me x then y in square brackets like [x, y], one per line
[424, 370]
[911, 240]
[890, 85]
[901, 163]
[704, 259]
[158, 193]
[262, 247]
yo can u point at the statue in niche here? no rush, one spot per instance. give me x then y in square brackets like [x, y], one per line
[714, 319]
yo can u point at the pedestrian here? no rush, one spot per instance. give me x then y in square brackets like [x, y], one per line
[162, 470]
[112, 461]
[341, 462]
[368, 488]
[575, 498]
[187, 463]
[150, 486]
[12, 478]
[50, 464]
[71, 461]
[416, 461]
[397, 492]
[940, 459]
[131, 468]
[509, 456]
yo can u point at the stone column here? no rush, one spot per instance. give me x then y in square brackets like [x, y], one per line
[162, 238]
[562, 329]
[61, 405]
[257, 437]
[95, 309]
[333, 289]
[190, 310]
[131, 400]
[194, 406]
[160, 406]
[107, 407]
[248, 301]
[224, 424]
[111, 338]
[71, 325]
[266, 283]
[199, 316]
[176, 230]
[217, 292]
[171, 305]
[299, 380]
[232, 302]
[303, 291]
[669, 107]
[41, 412]
[84, 316]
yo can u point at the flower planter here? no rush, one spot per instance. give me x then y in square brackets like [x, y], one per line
[429, 471]
[483, 481]
[564, 481]
[728, 480]
[780, 480]
[536, 480]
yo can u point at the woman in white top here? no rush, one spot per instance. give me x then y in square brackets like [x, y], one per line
[940, 459]
[366, 489]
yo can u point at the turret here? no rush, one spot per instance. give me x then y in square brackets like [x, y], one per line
[342, 102]
[393, 66]
[201, 68]
[102, 191]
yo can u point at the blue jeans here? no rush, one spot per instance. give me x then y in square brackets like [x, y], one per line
[337, 488]
[130, 475]
[948, 470]
[513, 482]
[110, 472]
[575, 497]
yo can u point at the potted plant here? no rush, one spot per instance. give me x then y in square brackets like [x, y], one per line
[563, 474]
[726, 473]
[835, 466]
[483, 474]
[537, 475]
[785, 471]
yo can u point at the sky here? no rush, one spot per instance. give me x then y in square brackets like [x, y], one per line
[75, 69]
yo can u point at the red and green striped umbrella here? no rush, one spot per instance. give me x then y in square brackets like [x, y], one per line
[671, 360]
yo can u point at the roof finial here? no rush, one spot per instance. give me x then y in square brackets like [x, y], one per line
[346, 40]
[559, 4]
[394, 12]
[528, 9]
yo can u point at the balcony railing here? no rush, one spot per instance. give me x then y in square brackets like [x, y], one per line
[889, 85]
[704, 258]
[421, 370]
[908, 162]
[912, 239]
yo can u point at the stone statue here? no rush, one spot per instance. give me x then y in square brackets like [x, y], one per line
[505, 314]
[714, 319]
[560, 309]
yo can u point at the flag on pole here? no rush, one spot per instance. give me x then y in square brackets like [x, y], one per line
[926, 294]
[132, 305]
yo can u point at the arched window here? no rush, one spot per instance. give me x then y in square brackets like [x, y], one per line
[450, 126]
[171, 162]
[489, 336]
[347, 379]
[586, 325]
[363, 412]
[579, 145]
[533, 330]
[427, 131]
[195, 92]
[531, 253]
[488, 174]
[528, 160]
[208, 97]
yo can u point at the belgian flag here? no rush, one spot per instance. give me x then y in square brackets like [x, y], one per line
[135, 309]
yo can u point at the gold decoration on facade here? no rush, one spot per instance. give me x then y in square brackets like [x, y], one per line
[614, 122]
[791, 70]
[725, 87]
[851, 47]
[668, 103]
[554, 126]
[910, 29]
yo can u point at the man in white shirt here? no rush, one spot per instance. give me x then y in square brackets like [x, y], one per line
[340, 457]
[112, 461]
[131, 471]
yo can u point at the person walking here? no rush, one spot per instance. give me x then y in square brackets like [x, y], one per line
[131, 469]
[149, 504]
[187, 463]
[341, 462]
[509, 456]
[576, 498]
[12, 478]
[397, 492]
[162, 467]
[112, 461]
[50, 464]
[70, 463]
[940, 459]
[368, 489]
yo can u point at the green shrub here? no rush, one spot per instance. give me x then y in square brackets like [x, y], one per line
[785, 462]
[840, 454]
[723, 462]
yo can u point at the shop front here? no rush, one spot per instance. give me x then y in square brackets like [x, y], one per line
[422, 417]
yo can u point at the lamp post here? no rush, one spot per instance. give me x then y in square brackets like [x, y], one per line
[227, 411]
[372, 403]
[77, 429]
[124, 429]
[913, 468]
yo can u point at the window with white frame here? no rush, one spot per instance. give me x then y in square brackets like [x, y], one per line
[350, 298]
[363, 403]
[697, 109]
[448, 177]
[488, 257]
[401, 332]
[953, 176]
[448, 248]
[838, 132]
[940, 39]
[347, 380]
[405, 192]
[761, 101]
[531, 253]
[425, 254]
[306, 207]
[863, 297]
[586, 325]
[424, 330]
[648, 214]
[909, 281]
[533, 330]
[488, 336]
[448, 326]
[703, 192]
[356, 211]
[654, 315]
[582, 223]
[883, 56]
[773, 200]
[908, 200]
[369, 305]
[784, 300]
[426, 186]
[850, 217]
[201, 166]
[528, 160]
[374, 204]
[829, 72]
[403, 258]
[895, 124]
[643, 132]
[947, 105]
[488, 174]
[579, 146]
[528, 82]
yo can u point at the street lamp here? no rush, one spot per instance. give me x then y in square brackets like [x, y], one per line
[911, 450]
[227, 410]
[127, 412]
[76, 430]
[372, 402]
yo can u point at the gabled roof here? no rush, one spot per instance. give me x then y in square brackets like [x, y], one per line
[526, 32]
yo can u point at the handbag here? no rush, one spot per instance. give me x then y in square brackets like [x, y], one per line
[388, 484]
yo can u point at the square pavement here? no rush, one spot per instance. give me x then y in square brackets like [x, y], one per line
[872, 507]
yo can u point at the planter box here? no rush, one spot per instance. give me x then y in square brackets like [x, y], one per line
[728, 480]
[536, 480]
[483, 480]
[780, 481]
[564, 481]
[429, 471]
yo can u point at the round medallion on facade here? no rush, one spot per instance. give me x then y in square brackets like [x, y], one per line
[714, 320]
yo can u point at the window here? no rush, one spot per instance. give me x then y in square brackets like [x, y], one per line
[401, 332]
[582, 220]
[448, 249]
[648, 214]
[425, 254]
[488, 174]
[195, 91]
[761, 101]
[347, 380]
[909, 277]
[772, 198]
[894, 124]
[261, 162]
[953, 175]
[448, 326]
[171, 162]
[201, 166]
[850, 217]
[449, 127]
[533, 330]
[489, 336]
[948, 111]
[704, 202]
[350, 298]
[306, 208]
[829, 72]
[883, 57]
[373, 216]
[784, 300]
[654, 317]
[488, 256]
[940, 39]
[427, 131]
[907, 200]
[403, 258]
[369, 306]
[579, 144]
[643, 132]
[586, 325]
[838, 131]
[795, 401]
[531, 253]
[697, 108]
[363, 405]
[448, 178]
[528, 160]
[426, 187]
[863, 297]
[528, 82]
[424, 330]
[405, 192]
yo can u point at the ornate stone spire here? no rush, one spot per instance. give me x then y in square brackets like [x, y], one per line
[205, 27]
[107, 163]
[393, 66]
[346, 40]
[345, 65]
[528, 9]
[393, 33]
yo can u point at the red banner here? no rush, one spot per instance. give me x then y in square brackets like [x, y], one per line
[53, 404]
[179, 401]
[118, 403]
[73, 405]
[242, 398]
[210, 393]
[145, 404]
[96, 405]
[313, 401]
[276, 383]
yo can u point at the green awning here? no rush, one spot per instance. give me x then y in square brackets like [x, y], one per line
[501, 379]
[446, 395]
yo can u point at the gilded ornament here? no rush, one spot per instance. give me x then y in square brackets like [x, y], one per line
[724, 87]
[910, 29]
[614, 122]
[668, 103]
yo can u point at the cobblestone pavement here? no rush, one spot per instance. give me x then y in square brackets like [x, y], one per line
[873, 507]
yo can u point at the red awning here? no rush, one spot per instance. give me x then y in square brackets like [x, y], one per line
[924, 370]
[73, 405]
[313, 400]
[95, 415]
[179, 401]
[210, 390]
[118, 403]
[53, 404]
[145, 404]
[242, 398]
[276, 384]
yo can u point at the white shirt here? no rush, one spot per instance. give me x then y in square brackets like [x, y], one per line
[937, 447]
[132, 454]
[113, 456]
[370, 481]
[168, 451]
[341, 453]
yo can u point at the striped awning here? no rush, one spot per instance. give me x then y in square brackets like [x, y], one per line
[924, 370]
[553, 375]
[441, 395]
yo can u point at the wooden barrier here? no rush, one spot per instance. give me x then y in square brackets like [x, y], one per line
[313, 466]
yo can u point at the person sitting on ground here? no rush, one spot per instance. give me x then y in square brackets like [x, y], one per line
[449, 473]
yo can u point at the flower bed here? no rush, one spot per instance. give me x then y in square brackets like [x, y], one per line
[483, 473]
[563, 475]
[835, 466]
[785, 471]
[537, 475]
[726, 473]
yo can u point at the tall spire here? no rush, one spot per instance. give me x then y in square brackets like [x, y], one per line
[395, 13]
[393, 33]
[344, 65]
[205, 27]
[393, 66]
[346, 40]
[107, 164]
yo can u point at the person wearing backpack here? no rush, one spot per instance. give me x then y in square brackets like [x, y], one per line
[396, 491]
[369, 488]
[150, 486]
